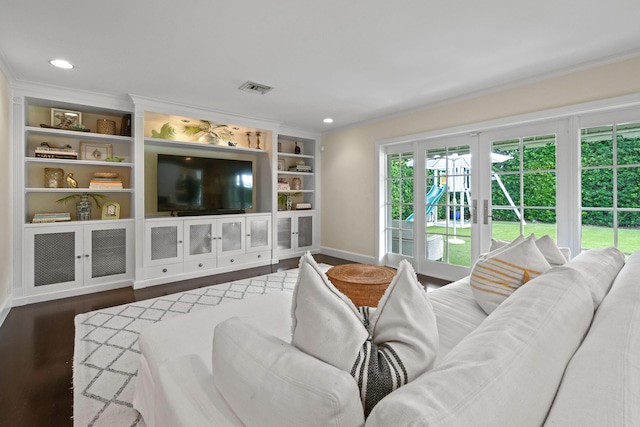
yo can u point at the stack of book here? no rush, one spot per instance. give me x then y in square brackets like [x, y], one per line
[300, 168]
[51, 217]
[283, 186]
[56, 153]
[105, 181]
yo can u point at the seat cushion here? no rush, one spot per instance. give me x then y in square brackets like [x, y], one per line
[457, 314]
[505, 372]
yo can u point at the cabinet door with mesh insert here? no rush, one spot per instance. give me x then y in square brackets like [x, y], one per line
[285, 232]
[163, 242]
[305, 231]
[108, 252]
[53, 259]
[258, 233]
[231, 236]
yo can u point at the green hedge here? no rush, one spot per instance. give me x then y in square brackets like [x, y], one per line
[539, 183]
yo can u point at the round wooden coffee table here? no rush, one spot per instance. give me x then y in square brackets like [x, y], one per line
[364, 284]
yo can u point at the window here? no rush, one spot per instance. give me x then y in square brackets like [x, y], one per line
[610, 187]
[523, 187]
[399, 204]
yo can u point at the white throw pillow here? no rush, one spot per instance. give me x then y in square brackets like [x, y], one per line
[399, 343]
[495, 277]
[268, 382]
[498, 244]
[550, 250]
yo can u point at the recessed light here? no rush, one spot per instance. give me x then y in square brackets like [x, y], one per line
[61, 63]
[328, 120]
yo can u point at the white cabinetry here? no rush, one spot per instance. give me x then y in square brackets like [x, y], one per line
[297, 194]
[58, 160]
[206, 245]
[201, 244]
[163, 248]
[67, 257]
[296, 232]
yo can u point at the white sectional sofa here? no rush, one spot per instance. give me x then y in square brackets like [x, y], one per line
[562, 350]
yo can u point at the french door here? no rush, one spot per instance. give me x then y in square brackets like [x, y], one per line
[527, 190]
[446, 198]
[428, 205]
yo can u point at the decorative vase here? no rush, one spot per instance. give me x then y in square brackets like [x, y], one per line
[53, 177]
[106, 127]
[289, 203]
[83, 208]
[258, 140]
[296, 149]
[249, 139]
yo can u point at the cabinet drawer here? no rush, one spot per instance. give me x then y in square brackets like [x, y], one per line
[244, 258]
[162, 271]
[203, 264]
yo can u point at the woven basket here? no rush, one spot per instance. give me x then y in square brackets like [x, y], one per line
[364, 284]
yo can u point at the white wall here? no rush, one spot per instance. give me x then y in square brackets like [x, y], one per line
[349, 162]
[5, 195]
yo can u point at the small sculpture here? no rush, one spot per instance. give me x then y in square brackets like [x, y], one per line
[71, 182]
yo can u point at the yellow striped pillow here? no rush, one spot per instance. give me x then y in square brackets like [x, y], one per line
[496, 277]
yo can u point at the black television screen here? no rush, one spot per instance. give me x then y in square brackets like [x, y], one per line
[200, 185]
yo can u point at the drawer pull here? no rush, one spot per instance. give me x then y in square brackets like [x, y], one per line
[232, 260]
[164, 270]
[200, 265]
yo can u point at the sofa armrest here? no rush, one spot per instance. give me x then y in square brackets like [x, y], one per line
[186, 396]
[268, 382]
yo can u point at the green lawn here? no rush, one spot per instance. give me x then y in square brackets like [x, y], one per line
[592, 238]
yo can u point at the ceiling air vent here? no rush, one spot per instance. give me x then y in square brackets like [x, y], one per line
[255, 88]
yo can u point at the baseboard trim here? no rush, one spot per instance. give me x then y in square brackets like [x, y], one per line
[74, 292]
[5, 308]
[363, 259]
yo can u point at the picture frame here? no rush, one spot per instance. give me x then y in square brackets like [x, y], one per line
[97, 151]
[64, 119]
[280, 164]
[111, 210]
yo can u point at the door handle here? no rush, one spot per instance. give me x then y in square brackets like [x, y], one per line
[485, 213]
[474, 211]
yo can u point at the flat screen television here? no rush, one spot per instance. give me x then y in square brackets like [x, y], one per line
[190, 185]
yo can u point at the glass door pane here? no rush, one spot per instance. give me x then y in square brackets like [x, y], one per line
[523, 187]
[447, 205]
[399, 203]
[610, 183]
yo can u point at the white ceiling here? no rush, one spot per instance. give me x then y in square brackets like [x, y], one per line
[353, 61]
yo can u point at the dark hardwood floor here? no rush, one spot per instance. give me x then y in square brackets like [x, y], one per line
[36, 345]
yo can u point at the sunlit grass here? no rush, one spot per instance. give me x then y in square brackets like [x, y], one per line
[592, 238]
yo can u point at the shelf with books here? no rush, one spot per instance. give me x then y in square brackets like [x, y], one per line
[63, 146]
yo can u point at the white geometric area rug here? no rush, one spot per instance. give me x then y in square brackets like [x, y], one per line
[106, 354]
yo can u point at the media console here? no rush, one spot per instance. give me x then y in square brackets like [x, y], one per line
[185, 248]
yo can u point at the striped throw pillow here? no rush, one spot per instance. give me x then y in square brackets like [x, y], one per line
[382, 348]
[495, 277]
